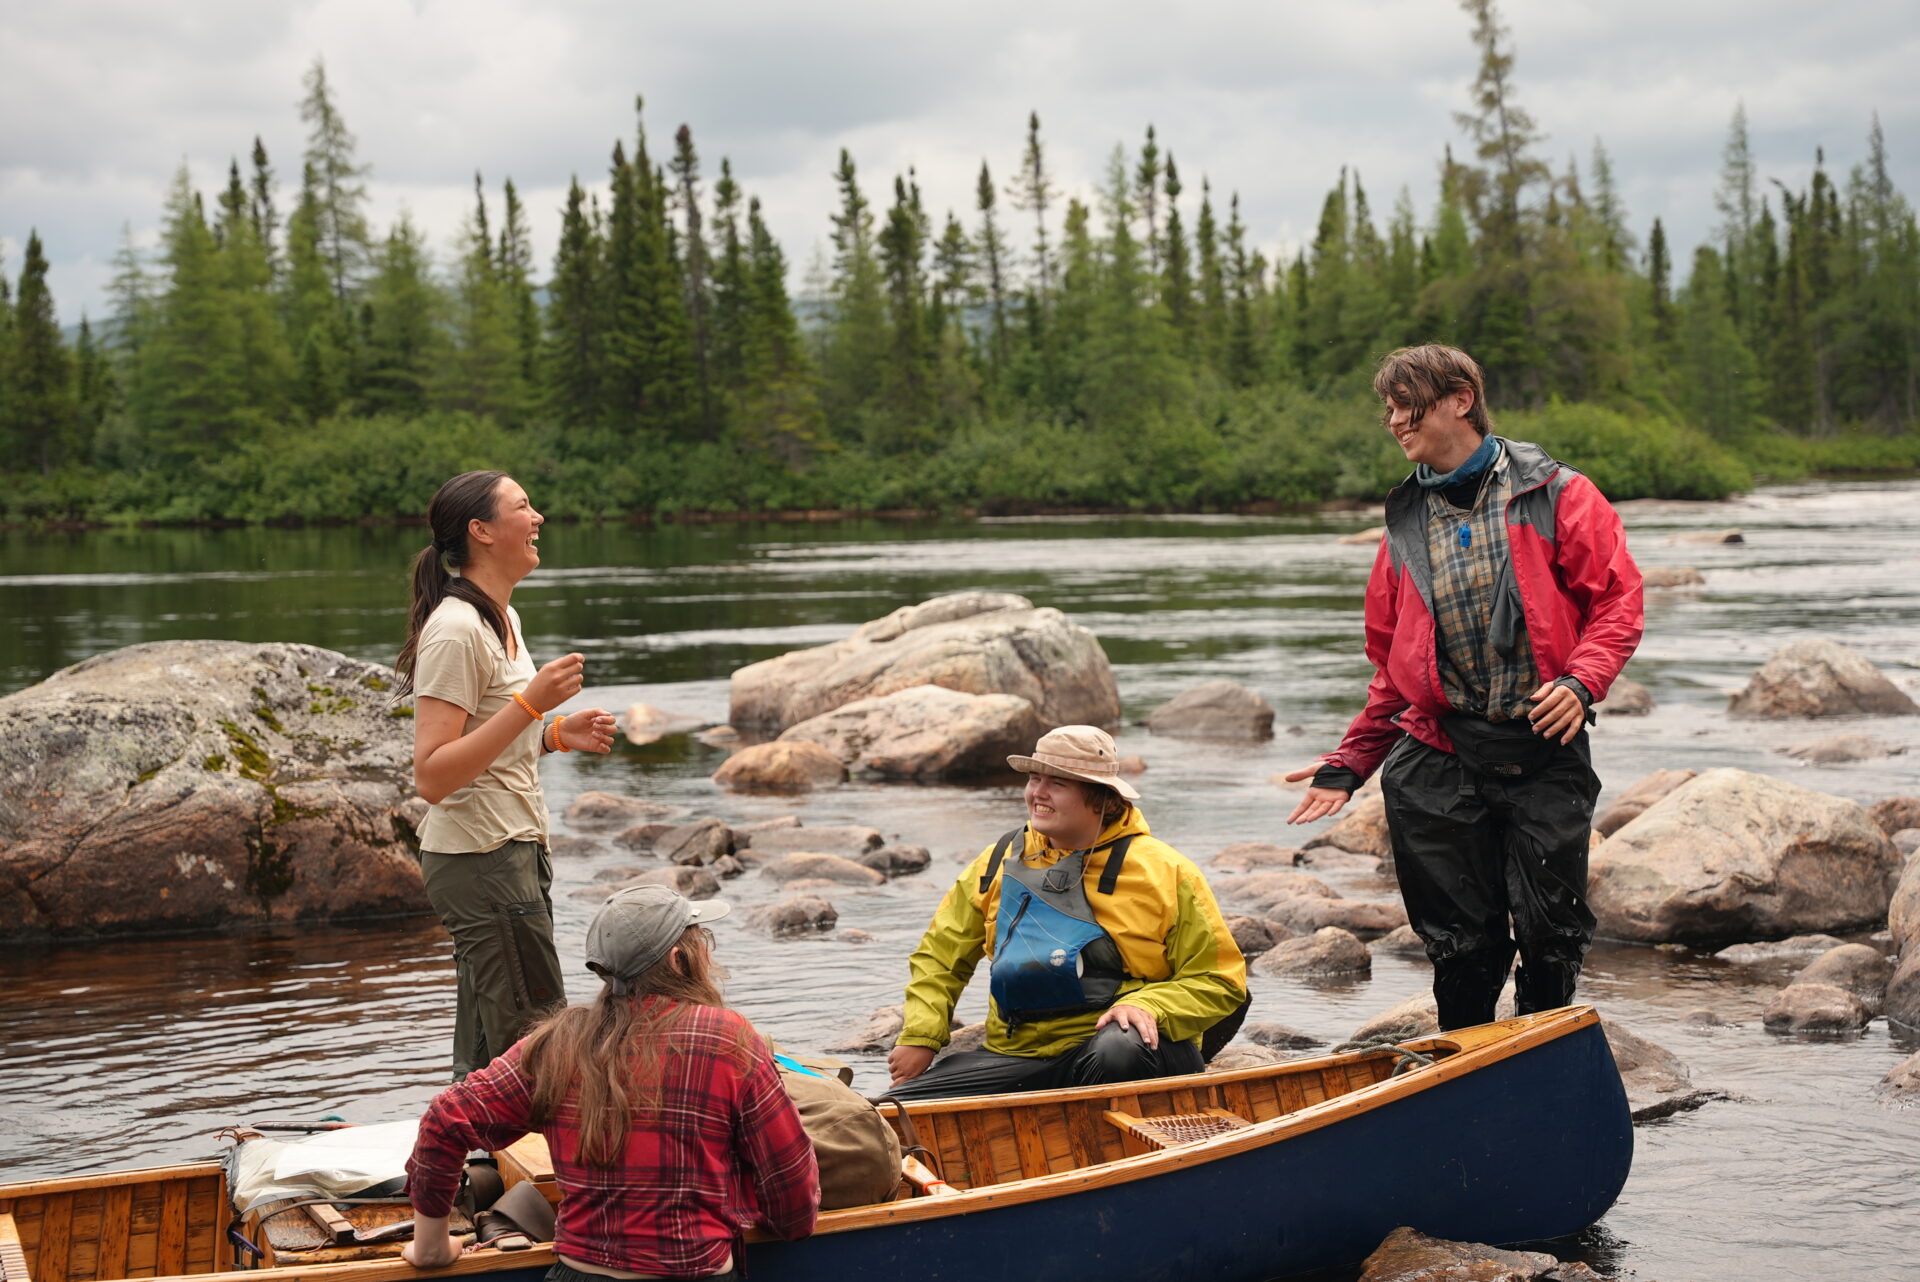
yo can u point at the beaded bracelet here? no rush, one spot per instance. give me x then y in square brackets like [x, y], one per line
[528, 708]
[556, 745]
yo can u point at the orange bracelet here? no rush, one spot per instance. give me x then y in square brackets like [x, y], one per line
[528, 708]
[558, 746]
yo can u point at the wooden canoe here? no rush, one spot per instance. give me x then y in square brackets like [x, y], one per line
[1515, 1131]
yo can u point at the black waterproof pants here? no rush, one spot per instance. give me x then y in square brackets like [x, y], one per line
[1476, 852]
[1114, 1054]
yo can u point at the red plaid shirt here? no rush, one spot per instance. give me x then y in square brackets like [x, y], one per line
[725, 1150]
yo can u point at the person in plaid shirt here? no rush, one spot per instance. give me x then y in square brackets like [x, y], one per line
[1502, 605]
[667, 1123]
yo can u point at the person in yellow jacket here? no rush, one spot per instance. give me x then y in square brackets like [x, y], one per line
[1109, 957]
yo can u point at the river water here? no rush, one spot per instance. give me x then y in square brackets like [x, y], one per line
[129, 1052]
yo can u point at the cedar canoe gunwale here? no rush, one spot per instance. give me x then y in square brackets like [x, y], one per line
[1465, 1052]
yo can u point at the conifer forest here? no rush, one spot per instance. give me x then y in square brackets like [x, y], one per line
[279, 358]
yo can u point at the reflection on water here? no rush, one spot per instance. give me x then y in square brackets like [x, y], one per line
[125, 1052]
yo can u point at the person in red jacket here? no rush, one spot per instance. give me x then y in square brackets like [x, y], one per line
[1502, 606]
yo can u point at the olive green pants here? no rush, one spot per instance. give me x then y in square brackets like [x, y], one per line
[498, 908]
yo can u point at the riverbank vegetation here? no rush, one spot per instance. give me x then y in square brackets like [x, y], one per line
[1131, 350]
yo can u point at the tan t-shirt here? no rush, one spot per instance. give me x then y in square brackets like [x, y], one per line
[461, 661]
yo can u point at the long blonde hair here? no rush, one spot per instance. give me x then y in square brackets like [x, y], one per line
[608, 1057]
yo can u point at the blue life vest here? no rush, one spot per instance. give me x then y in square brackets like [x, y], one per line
[1050, 956]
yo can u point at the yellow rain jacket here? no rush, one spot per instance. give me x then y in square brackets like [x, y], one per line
[1185, 970]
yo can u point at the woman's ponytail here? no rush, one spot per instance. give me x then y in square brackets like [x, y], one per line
[466, 498]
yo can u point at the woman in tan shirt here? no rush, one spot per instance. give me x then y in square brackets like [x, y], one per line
[480, 727]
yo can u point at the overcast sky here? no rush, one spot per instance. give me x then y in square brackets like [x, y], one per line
[102, 100]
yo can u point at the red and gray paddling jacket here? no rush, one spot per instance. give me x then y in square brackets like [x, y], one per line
[1580, 594]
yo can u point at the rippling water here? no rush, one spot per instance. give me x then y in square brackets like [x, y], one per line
[126, 1052]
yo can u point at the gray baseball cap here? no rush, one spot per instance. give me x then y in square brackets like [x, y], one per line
[638, 926]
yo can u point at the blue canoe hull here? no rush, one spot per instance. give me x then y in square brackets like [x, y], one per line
[1533, 1146]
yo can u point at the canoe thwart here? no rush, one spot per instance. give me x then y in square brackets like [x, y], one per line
[1173, 1130]
[13, 1260]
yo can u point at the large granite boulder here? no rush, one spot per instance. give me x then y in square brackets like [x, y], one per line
[1737, 856]
[1215, 710]
[1408, 1255]
[922, 733]
[973, 642]
[193, 785]
[1640, 794]
[1819, 679]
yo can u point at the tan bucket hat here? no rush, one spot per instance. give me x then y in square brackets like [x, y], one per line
[1077, 752]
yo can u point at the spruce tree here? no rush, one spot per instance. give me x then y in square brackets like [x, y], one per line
[407, 344]
[1212, 319]
[1719, 383]
[41, 419]
[857, 339]
[1034, 193]
[1243, 346]
[267, 366]
[1146, 194]
[574, 349]
[732, 289]
[1176, 283]
[698, 285]
[908, 377]
[96, 391]
[992, 252]
[513, 263]
[339, 186]
[315, 322]
[266, 220]
[483, 375]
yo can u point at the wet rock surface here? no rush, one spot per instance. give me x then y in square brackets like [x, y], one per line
[1215, 710]
[1626, 698]
[1738, 856]
[798, 914]
[923, 733]
[781, 766]
[815, 866]
[972, 642]
[1408, 1255]
[1361, 829]
[1895, 814]
[192, 785]
[1327, 951]
[1636, 797]
[1819, 679]
[1816, 1008]
[609, 812]
[1839, 749]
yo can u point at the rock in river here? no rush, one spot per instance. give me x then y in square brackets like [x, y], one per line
[1738, 856]
[780, 767]
[1903, 922]
[190, 785]
[1819, 679]
[1408, 1255]
[1816, 1008]
[1327, 951]
[1626, 698]
[922, 733]
[973, 642]
[1640, 794]
[1215, 710]
[830, 868]
[794, 915]
[611, 812]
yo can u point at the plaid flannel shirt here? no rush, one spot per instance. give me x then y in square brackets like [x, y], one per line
[725, 1150]
[1466, 574]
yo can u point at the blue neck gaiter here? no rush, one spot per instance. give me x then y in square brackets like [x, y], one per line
[1477, 462]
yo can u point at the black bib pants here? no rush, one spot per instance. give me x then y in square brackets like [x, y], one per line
[1489, 865]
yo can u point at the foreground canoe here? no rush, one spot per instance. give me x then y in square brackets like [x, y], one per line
[1513, 1131]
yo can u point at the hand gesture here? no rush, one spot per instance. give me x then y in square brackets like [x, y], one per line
[589, 730]
[1319, 802]
[556, 683]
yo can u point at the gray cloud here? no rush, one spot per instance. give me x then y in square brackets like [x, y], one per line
[101, 102]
